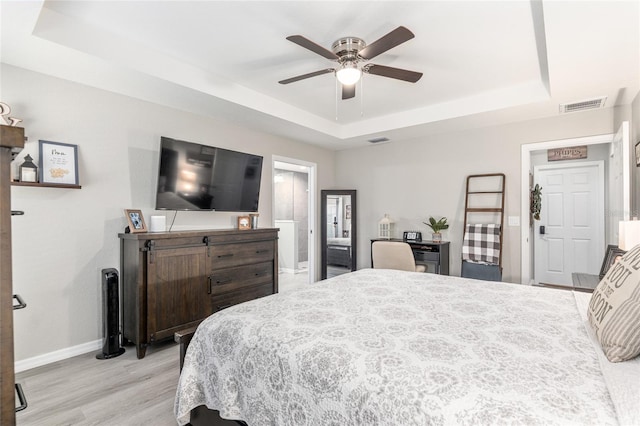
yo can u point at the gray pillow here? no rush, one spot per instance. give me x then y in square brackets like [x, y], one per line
[614, 309]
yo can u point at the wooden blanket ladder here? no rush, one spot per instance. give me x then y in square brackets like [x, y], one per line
[484, 202]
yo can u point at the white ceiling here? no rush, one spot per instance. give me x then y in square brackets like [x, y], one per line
[483, 61]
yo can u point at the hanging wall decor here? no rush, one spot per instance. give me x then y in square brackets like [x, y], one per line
[569, 153]
[536, 201]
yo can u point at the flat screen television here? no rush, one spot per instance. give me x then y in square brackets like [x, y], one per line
[192, 176]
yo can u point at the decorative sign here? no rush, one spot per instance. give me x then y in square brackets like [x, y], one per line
[570, 153]
[5, 110]
[58, 163]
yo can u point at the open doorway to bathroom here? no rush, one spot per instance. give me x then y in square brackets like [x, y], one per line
[293, 213]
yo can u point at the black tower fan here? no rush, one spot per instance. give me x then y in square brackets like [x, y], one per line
[110, 315]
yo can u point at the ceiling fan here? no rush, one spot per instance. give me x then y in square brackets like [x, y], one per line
[349, 52]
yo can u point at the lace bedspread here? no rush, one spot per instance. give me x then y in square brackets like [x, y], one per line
[382, 347]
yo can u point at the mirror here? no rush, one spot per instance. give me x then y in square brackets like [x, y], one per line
[339, 232]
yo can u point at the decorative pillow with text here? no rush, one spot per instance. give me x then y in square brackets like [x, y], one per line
[614, 309]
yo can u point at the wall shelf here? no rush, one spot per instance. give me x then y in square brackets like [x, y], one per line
[46, 185]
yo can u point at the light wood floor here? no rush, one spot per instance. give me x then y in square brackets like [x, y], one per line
[119, 391]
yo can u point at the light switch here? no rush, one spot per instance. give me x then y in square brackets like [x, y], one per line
[514, 220]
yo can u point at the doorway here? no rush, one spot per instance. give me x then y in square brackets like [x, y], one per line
[569, 237]
[293, 214]
[617, 191]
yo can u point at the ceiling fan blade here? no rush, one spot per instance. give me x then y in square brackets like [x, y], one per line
[303, 76]
[315, 48]
[348, 91]
[386, 42]
[397, 73]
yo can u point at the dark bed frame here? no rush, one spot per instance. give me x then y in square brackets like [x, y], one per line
[201, 415]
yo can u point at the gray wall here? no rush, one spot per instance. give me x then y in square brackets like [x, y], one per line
[67, 236]
[424, 177]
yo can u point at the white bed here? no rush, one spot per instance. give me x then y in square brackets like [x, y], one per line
[381, 347]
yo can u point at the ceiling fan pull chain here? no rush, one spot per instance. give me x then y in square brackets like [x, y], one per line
[362, 96]
[338, 87]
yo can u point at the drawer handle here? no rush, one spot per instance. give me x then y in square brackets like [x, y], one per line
[262, 251]
[221, 307]
[258, 274]
[220, 256]
[224, 281]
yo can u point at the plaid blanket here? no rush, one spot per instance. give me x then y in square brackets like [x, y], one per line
[482, 244]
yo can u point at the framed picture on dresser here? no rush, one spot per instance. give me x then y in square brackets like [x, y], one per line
[135, 220]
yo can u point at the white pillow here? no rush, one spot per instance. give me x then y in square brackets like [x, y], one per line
[614, 309]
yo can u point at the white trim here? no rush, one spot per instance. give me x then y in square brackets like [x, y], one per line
[312, 206]
[59, 355]
[623, 133]
[525, 162]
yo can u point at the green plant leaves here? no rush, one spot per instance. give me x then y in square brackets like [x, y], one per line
[437, 225]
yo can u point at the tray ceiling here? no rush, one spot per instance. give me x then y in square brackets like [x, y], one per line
[482, 61]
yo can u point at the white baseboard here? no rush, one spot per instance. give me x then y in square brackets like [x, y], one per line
[59, 355]
[289, 271]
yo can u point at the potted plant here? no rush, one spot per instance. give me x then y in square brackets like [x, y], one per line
[437, 226]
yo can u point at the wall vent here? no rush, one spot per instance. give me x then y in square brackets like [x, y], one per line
[379, 140]
[594, 103]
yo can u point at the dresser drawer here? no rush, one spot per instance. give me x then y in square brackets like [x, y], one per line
[245, 294]
[421, 255]
[230, 279]
[228, 255]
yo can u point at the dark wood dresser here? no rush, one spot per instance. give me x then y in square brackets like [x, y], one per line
[174, 280]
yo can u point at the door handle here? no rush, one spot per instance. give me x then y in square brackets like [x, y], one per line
[542, 230]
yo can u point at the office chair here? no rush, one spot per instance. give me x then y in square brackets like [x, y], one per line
[394, 255]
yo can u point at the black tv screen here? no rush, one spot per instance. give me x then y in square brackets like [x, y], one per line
[192, 176]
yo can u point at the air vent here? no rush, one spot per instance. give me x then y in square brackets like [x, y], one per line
[583, 105]
[379, 140]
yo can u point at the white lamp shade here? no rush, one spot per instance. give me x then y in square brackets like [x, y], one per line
[628, 234]
[348, 75]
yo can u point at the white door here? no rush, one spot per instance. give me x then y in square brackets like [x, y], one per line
[572, 215]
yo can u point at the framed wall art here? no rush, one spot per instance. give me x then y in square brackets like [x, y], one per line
[58, 163]
[136, 221]
[611, 256]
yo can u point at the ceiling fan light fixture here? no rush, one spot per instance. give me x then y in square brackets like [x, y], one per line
[349, 74]
[349, 53]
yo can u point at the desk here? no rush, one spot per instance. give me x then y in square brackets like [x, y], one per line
[433, 255]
